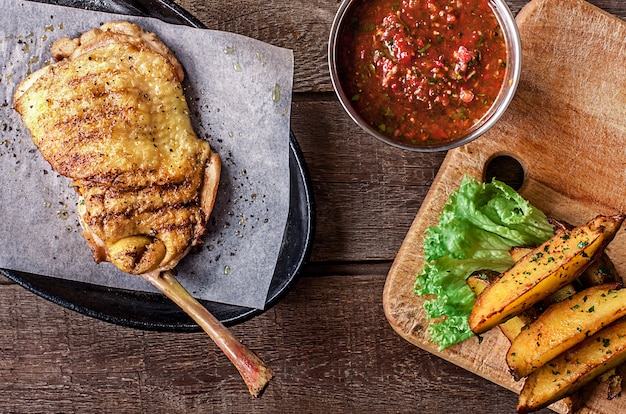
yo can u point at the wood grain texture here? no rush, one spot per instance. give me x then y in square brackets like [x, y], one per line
[565, 126]
[328, 339]
[300, 25]
[367, 193]
[328, 342]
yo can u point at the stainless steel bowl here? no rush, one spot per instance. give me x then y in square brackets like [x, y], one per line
[514, 67]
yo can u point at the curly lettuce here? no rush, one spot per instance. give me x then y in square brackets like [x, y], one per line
[477, 227]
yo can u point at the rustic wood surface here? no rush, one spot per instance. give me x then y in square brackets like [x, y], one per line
[577, 191]
[328, 340]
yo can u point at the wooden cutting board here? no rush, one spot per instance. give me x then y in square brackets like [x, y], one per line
[567, 127]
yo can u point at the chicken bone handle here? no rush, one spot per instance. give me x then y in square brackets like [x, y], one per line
[253, 370]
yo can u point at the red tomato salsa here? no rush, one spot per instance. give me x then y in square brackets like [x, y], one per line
[422, 72]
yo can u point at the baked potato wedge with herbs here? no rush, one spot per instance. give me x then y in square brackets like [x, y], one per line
[600, 271]
[543, 271]
[574, 368]
[566, 291]
[563, 325]
[512, 327]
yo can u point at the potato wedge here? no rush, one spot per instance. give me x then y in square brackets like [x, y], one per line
[565, 324]
[566, 291]
[576, 367]
[601, 271]
[563, 293]
[513, 326]
[518, 252]
[542, 272]
[477, 283]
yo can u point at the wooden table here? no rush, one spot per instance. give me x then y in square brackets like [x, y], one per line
[328, 340]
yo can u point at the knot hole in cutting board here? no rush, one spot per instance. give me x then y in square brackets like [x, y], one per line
[505, 168]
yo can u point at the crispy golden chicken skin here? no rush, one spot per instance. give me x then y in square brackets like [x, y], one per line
[110, 114]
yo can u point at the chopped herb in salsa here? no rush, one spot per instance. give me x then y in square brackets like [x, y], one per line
[424, 71]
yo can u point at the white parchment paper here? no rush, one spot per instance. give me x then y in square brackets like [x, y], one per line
[239, 93]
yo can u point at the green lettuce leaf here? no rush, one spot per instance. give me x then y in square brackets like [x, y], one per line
[477, 227]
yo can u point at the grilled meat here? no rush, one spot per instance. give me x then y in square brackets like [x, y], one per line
[111, 115]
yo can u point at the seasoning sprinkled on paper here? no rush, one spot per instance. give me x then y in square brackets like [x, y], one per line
[235, 265]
